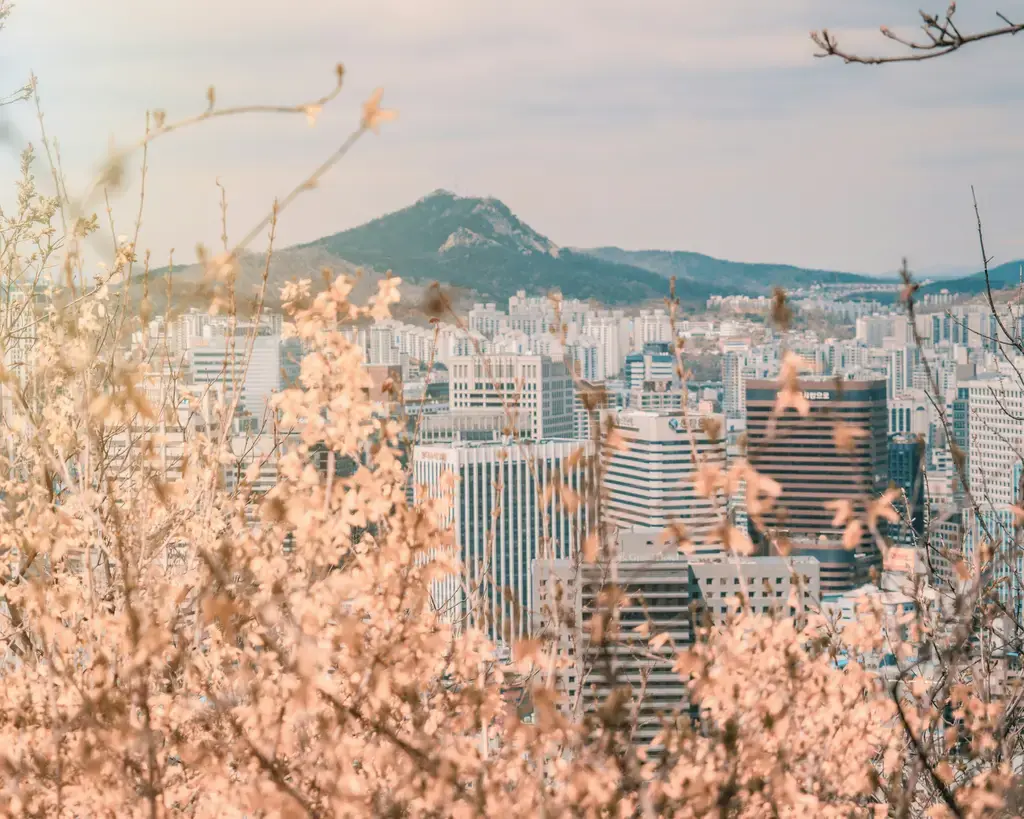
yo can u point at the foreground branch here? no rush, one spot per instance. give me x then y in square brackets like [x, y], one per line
[943, 37]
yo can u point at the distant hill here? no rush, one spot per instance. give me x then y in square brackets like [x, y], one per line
[481, 245]
[1002, 276]
[696, 269]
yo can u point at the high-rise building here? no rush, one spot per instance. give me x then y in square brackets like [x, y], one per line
[589, 401]
[507, 505]
[961, 439]
[906, 471]
[508, 382]
[487, 319]
[381, 345]
[800, 453]
[655, 365]
[908, 413]
[734, 361]
[652, 326]
[583, 354]
[673, 594]
[873, 330]
[944, 545]
[902, 363]
[648, 479]
[248, 367]
[995, 403]
[611, 330]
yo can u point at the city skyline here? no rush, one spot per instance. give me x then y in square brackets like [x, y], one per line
[707, 130]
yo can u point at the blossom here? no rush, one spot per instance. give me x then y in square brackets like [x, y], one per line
[373, 114]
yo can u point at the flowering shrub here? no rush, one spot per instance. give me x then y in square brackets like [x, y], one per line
[176, 643]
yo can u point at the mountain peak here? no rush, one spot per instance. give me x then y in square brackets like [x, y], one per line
[479, 243]
[439, 193]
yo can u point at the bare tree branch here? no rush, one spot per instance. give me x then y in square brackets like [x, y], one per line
[943, 38]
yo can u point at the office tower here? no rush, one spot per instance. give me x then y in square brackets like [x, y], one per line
[508, 382]
[250, 368]
[945, 545]
[908, 413]
[906, 471]
[961, 442]
[736, 503]
[651, 379]
[674, 593]
[506, 506]
[655, 365]
[648, 480]
[800, 453]
[941, 328]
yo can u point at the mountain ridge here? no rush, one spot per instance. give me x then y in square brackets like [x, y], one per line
[1005, 275]
[480, 250]
[479, 243]
[746, 277]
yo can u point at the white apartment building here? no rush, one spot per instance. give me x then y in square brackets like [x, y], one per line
[453, 342]
[901, 366]
[487, 320]
[995, 403]
[873, 330]
[649, 482]
[652, 326]
[382, 345]
[250, 368]
[611, 330]
[506, 507]
[583, 354]
[734, 362]
[532, 382]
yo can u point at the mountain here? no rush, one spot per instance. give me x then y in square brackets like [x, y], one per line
[1002, 276]
[481, 245]
[941, 271]
[478, 249]
[727, 277]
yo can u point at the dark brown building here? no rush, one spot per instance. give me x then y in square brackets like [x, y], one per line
[800, 453]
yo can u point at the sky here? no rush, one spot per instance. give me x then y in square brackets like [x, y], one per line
[703, 126]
